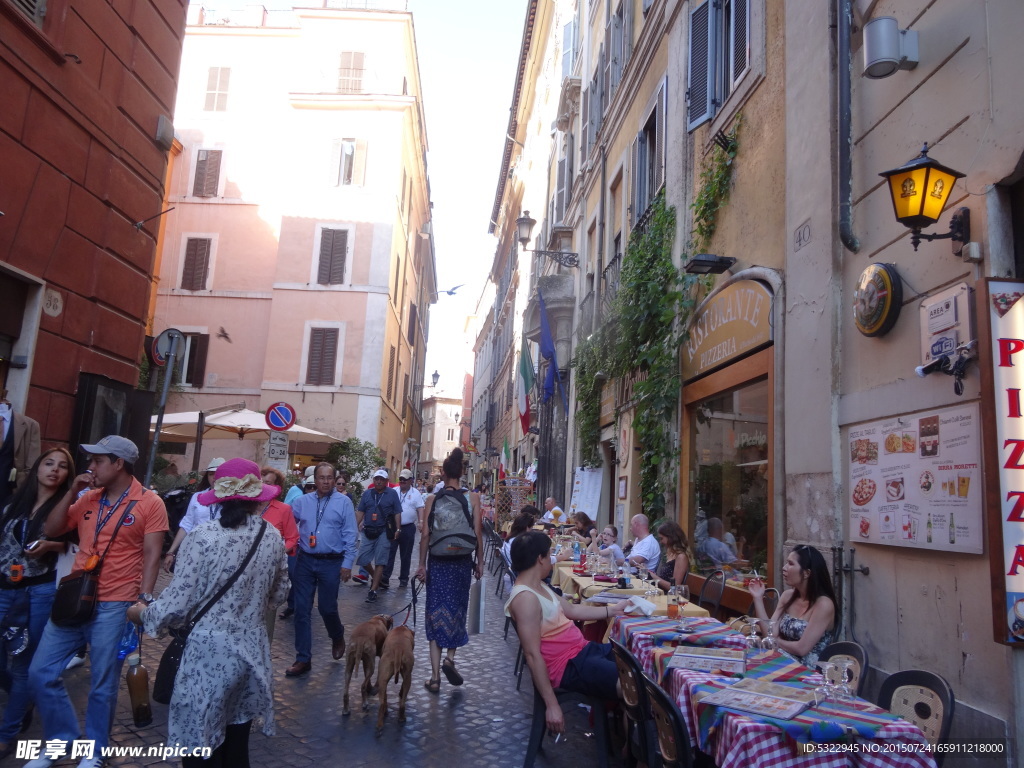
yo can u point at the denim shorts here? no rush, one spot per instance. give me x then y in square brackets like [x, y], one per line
[592, 672]
[374, 551]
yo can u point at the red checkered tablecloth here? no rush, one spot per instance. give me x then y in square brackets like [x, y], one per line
[643, 634]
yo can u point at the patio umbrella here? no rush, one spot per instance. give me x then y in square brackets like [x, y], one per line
[242, 424]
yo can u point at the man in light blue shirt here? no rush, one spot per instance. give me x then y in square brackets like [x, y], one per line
[327, 549]
[714, 549]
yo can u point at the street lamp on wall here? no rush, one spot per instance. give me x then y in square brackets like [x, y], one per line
[919, 192]
[708, 264]
[433, 378]
[524, 227]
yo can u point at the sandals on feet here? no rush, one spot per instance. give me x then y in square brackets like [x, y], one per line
[432, 685]
[450, 672]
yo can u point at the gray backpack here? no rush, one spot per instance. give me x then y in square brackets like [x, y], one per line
[451, 525]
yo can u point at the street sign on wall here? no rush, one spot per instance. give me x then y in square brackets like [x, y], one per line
[280, 417]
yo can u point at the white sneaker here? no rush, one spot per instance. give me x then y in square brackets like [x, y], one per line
[42, 762]
[76, 661]
[91, 762]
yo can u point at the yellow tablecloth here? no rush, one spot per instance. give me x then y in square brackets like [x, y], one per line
[585, 586]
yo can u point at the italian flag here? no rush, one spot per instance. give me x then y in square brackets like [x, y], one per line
[506, 461]
[525, 385]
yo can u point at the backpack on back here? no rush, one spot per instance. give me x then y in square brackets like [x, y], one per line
[451, 525]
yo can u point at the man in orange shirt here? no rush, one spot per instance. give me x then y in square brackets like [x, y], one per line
[121, 528]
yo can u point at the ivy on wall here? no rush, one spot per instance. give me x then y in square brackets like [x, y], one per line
[645, 328]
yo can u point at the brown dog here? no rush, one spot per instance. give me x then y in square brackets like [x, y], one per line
[396, 659]
[366, 644]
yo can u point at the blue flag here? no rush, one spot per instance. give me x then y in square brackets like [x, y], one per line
[547, 351]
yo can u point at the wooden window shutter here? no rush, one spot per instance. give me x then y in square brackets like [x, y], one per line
[34, 9]
[559, 216]
[740, 38]
[700, 88]
[323, 356]
[359, 164]
[627, 33]
[390, 374]
[603, 83]
[207, 173]
[333, 249]
[567, 49]
[411, 334]
[197, 264]
[659, 139]
[635, 184]
[394, 399]
[585, 126]
[200, 350]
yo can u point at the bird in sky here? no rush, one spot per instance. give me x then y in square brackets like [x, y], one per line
[451, 291]
[222, 334]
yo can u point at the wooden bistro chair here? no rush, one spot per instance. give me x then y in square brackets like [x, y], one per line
[711, 592]
[673, 738]
[856, 653]
[640, 737]
[924, 698]
[538, 727]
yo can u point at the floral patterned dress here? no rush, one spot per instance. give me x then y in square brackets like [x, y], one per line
[792, 628]
[225, 673]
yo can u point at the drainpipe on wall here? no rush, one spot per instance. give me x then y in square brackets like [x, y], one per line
[844, 23]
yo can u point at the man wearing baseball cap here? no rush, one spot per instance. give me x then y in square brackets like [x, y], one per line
[412, 507]
[377, 515]
[121, 528]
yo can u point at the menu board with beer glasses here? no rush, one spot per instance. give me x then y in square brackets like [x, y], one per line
[915, 481]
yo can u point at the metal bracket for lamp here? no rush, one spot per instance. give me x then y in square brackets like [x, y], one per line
[565, 258]
[524, 232]
[959, 231]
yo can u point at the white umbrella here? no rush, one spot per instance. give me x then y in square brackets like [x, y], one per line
[243, 424]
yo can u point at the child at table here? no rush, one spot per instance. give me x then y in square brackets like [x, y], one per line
[805, 616]
[554, 648]
[606, 545]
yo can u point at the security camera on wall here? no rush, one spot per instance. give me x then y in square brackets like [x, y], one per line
[887, 48]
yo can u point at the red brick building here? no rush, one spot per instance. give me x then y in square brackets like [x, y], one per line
[87, 89]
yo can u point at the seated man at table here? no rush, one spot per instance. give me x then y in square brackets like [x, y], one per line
[555, 650]
[645, 549]
[713, 548]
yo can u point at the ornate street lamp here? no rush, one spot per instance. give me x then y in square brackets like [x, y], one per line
[524, 225]
[919, 191]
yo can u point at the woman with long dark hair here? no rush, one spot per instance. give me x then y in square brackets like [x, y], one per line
[224, 681]
[676, 564]
[583, 529]
[449, 577]
[27, 578]
[806, 613]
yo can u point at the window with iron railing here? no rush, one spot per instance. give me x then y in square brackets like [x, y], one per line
[586, 320]
[611, 281]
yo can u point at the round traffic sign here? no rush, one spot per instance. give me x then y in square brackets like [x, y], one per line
[280, 417]
[162, 346]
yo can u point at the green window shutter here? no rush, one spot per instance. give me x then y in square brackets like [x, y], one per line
[700, 82]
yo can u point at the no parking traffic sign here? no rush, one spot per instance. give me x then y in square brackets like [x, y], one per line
[280, 417]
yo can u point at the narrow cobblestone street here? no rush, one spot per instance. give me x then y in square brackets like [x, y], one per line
[483, 723]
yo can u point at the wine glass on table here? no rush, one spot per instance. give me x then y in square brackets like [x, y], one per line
[753, 637]
[768, 641]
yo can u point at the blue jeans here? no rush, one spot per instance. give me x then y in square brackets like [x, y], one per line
[103, 634]
[322, 577]
[291, 578]
[40, 600]
[404, 542]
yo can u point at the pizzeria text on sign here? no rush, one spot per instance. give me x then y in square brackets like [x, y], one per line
[1013, 447]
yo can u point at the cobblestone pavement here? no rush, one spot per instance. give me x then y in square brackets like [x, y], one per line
[483, 723]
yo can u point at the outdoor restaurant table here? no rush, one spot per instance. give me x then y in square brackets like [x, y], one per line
[854, 733]
[585, 586]
[642, 634]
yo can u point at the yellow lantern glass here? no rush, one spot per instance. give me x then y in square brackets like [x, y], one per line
[920, 189]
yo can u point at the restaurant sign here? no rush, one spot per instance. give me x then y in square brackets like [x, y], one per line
[729, 325]
[1001, 324]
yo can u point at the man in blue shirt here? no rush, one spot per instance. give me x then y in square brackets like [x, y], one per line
[378, 514]
[327, 548]
[714, 549]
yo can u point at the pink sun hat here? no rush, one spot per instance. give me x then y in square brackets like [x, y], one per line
[238, 479]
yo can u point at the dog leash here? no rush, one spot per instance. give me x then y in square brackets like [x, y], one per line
[410, 608]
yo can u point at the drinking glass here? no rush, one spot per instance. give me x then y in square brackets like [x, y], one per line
[768, 641]
[753, 639]
[842, 677]
[825, 691]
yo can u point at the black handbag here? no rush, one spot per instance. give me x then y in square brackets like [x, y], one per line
[75, 601]
[167, 671]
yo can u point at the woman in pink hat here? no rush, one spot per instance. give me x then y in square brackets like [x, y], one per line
[224, 681]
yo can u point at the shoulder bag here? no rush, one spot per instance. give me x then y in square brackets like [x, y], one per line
[75, 601]
[167, 671]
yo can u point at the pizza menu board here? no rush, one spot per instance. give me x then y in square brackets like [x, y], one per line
[915, 481]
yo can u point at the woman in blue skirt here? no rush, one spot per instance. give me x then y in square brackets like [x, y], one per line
[454, 540]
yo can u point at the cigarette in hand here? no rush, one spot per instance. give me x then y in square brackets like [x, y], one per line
[558, 738]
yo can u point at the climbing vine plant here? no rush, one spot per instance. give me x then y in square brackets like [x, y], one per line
[642, 334]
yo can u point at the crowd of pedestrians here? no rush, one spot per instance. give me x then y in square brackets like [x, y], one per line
[240, 553]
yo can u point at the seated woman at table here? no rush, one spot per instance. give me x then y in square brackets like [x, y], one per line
[554, 648]
[805, 616]
[606, 544]
[584, 530]
[520, 525]
[672, 572]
